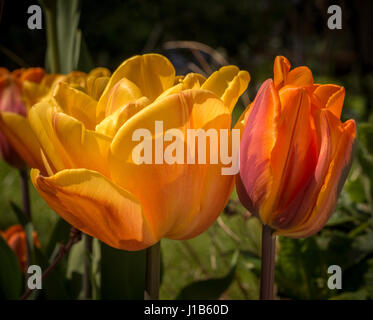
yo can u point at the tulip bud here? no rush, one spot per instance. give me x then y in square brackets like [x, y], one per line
[15, 236]
[295, 152]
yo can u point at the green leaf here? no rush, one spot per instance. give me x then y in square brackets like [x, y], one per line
[10, 273]
[62, 34]
[122, 273]
[68, 15]
[210, 289]
[22, 218]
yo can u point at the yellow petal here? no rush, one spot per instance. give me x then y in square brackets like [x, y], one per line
[123, 92]
[111, 124]
[171, 194]
[19, 133]
[66, 143]
[228, 83]
[96, 206]
[76, 104]
[193, 81]
[96, 86]
[151, 73]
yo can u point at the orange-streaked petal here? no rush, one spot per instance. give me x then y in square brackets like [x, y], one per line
[96, 206]
[76, 104]
[66, 143]
[111, 124]
[171, 194]
[122, 93]
[294, 156]
[330, 186]
[257, 143]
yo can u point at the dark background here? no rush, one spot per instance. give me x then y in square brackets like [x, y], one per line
[247, 33]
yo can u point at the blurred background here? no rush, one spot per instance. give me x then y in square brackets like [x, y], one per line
[201, 36]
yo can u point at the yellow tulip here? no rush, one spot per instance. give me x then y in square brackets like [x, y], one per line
[93, 182]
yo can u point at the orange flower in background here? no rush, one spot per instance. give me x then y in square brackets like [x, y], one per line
[11, 102]
[25, 87]
[15, 236]
[295, 152]
[93, 182]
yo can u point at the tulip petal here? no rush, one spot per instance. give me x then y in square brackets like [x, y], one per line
[111, 124]
[76, 104]
[295, 154]
[96, 206]
[280, 71]
[173, 194]
[228, 83]
[260, 135]
[193, 81]
[331, 185]
[65, 141]
[17, 130]
[122, 93]
[300, 77]
[151, 73]
[329, 96]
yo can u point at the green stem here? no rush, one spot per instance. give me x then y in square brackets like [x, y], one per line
[87, 285]
[26, 207]
[268, 264]
[153, 268]
[52, 39]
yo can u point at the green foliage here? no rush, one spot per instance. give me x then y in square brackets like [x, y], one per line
[122, 273]
[10, 273]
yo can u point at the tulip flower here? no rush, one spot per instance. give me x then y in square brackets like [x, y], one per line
[295, 152]
[92, 180]
[12, 104]
[15, 236]
[20, 90]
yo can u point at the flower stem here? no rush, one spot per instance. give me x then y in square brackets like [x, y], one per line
[153, 268]
[87, 285]
[268, 264]
[25, 193]
[75, 236]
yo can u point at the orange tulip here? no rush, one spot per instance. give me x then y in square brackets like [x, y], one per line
[15, 236]
[11, 102]
[295, 152]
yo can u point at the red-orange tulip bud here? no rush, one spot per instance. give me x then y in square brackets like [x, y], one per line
[295, 152]
[15, 236]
